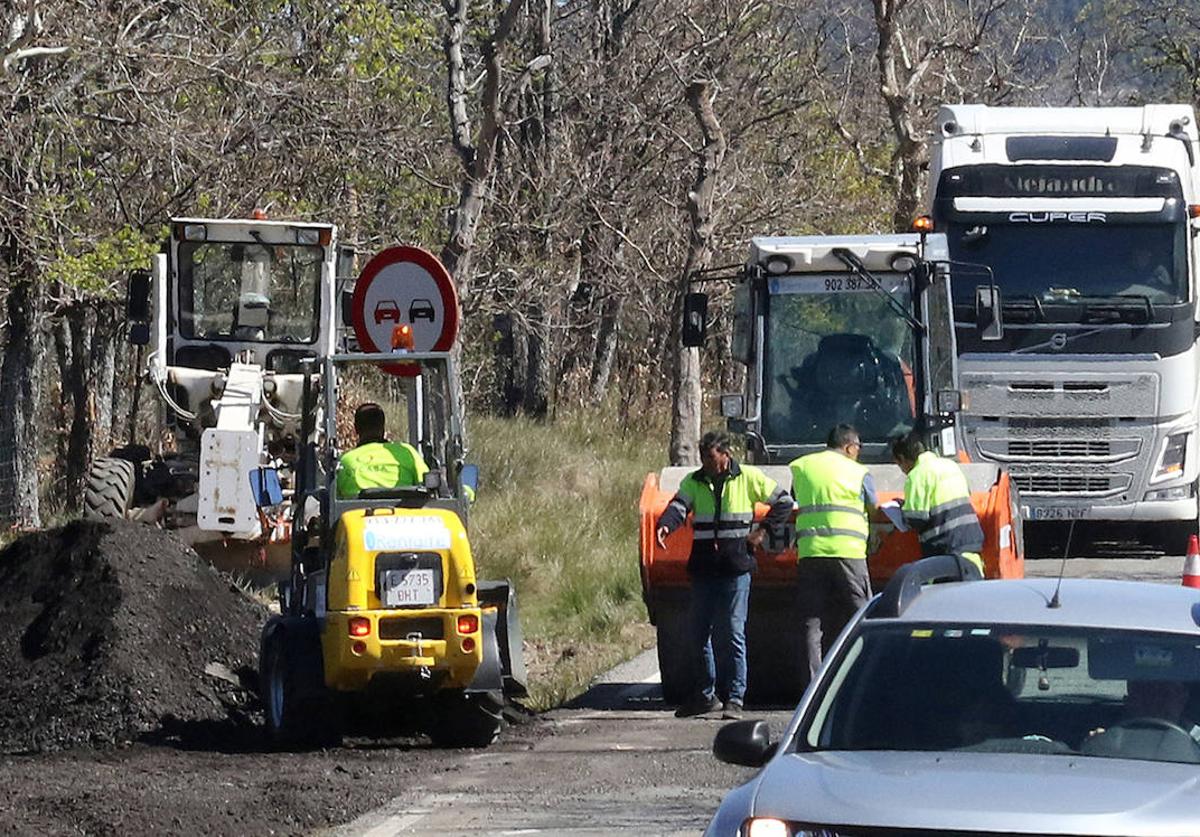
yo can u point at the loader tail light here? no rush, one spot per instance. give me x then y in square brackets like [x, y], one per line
[359, 626]
[468, 623]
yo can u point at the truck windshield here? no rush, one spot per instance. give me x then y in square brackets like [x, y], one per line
[1057, 691]
[836, 352]
[266, 293]
[1060, 263]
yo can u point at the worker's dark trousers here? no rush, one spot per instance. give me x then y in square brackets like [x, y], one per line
[829, 592]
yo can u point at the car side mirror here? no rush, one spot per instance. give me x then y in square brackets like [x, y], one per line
[989, 317]
[747, 743]
[695, 320]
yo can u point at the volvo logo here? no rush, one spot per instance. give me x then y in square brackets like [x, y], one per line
[1058, 341]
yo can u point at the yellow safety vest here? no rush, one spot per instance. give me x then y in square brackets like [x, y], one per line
[831, 521]
[937, 504]
[379, 465]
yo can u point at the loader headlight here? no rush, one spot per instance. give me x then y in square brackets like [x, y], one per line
[1172, 457]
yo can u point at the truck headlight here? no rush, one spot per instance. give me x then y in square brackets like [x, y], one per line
[1171, 459]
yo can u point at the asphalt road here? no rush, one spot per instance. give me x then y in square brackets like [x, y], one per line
[617, 762]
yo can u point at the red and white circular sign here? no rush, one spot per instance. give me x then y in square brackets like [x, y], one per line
[405, 286]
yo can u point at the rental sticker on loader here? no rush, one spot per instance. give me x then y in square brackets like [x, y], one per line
[387, 534]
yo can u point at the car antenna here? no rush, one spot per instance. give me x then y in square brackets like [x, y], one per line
[1054, 600]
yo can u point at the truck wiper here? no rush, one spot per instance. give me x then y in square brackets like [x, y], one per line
[854, 263]
[1027, 302]
[1117, 304]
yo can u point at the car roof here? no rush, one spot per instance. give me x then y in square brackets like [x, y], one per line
[1094, 603]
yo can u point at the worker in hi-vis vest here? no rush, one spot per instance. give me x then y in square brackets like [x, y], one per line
[937, 502]
[834, 494]
[376, 462]
[721, 497]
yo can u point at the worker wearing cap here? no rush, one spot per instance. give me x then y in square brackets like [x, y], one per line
[376, 462]
[937, 502]
[720, 497]
[833, 494]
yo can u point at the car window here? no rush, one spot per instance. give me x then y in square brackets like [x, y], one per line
[1102, 694]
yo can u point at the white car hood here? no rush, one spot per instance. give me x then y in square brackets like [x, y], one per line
[1007, 793]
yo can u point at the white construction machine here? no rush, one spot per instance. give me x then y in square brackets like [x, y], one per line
[228, 312]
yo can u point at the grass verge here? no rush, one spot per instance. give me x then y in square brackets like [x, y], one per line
[557, 514]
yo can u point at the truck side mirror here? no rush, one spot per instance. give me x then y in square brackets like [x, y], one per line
[137, 307]
[989, 317]
[695, 320]
[949, 401]
[347, 304]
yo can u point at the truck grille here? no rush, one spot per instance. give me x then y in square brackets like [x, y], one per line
[1062, 484]
[1059, 448]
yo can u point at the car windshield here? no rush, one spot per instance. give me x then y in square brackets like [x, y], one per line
[1079, 692]
[254, 292]
[1064, 263]
[837, 352]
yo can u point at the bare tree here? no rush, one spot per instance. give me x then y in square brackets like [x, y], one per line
[685, 414]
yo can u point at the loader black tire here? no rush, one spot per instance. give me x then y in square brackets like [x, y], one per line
[298, 708]
[108, 493]
[467, 719]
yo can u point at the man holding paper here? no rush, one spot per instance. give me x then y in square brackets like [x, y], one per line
[937, 502]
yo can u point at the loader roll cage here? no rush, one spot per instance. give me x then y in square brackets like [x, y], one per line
[435, 429]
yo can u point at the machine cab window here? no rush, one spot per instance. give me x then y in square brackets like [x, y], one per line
[836, 351]
[254, 292]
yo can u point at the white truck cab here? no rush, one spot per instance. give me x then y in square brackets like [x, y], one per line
[1073, 235]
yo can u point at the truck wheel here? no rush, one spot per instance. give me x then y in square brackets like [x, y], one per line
[675, 664]
[466, 720]
[109, 489]
[297, 706]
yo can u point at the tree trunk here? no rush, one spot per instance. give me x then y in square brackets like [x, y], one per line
[685, 413]
[606, 347]
[75, 382]
[103, 371]
[536, 402]
[19, 392]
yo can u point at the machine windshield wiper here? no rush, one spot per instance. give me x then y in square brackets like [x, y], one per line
[1024, 303]
[859, 269]
[1117, 306]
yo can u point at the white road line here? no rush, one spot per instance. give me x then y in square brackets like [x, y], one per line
[411, 816]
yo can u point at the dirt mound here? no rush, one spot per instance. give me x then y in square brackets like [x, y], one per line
[111, 631]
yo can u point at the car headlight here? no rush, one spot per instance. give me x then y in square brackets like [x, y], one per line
[766, 827]
[770, 827]
[1170, 461]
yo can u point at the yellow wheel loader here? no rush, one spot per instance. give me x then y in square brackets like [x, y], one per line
[383, 616]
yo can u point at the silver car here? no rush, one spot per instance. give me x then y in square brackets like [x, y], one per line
[987, 708]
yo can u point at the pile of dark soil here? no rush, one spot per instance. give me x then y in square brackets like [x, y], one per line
[111, 632]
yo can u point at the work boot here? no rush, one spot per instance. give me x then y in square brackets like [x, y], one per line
[731, 711]
[699, 705]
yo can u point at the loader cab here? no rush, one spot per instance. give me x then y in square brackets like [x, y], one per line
[420, 409]
[850, 329]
